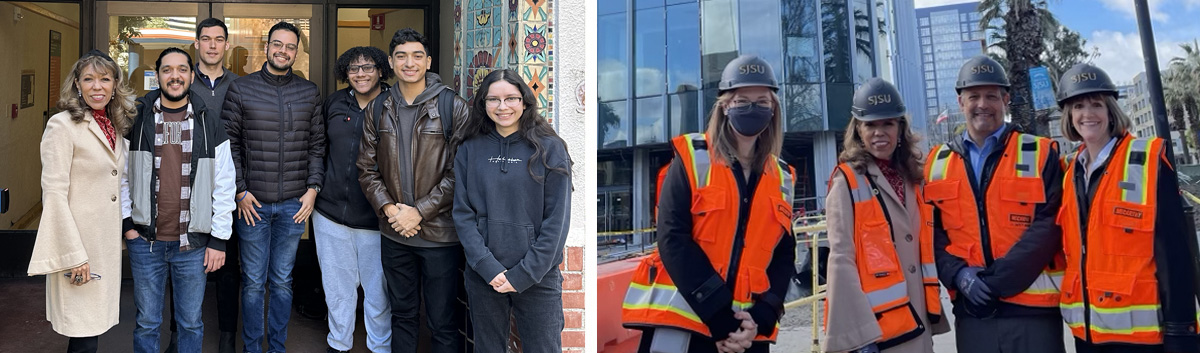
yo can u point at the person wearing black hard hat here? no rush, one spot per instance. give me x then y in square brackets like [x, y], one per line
[1128, 285]
[725, 246]
[883, 290]
[995, 193]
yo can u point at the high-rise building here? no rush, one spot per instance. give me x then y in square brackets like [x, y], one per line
[949, 35]
[659, 62]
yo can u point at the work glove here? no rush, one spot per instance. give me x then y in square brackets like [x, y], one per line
[870, 348]
[972, 287]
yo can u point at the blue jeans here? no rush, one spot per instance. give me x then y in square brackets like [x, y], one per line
[268, 254]
[151, 263]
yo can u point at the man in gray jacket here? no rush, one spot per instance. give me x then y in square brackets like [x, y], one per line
[277, 134]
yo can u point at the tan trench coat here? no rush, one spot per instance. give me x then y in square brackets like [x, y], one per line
[851, 323]
[81, 223]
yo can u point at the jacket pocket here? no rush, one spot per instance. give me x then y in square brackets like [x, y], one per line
[508, 241]
[945, 196]
[201, 202]
[141, 163]
[1021, 197]
[707, 204]
[1128, 229]
[875, 248]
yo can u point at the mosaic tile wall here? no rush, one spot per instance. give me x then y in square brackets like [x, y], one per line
[513, 34]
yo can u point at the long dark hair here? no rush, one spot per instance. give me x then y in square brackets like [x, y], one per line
[531, 126]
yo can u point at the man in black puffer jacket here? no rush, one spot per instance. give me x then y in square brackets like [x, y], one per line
[277, 135]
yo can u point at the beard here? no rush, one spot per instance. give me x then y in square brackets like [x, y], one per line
[277, 67]
[174, 98]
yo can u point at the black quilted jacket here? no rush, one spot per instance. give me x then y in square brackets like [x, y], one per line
[276, 134]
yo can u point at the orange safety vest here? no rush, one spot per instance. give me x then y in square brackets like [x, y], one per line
[879, 270]
[1120, 302]
[1016, 189]
[653, 300]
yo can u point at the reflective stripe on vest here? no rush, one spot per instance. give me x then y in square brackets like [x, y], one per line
[1028, 165]
[788, 184]
[701, 161]
[940, 162]
[1134, 182]
[1127, 321]
[658, 296]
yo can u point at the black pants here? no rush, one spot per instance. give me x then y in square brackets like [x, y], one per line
[1084, 347]
[699, 344]
[83, 344]
[431, 274]
[1026, 334]
[229, 287]
[537, 311]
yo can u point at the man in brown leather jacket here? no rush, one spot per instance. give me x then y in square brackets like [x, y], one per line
[404, 164]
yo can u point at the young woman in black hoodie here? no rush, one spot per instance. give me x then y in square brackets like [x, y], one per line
[512, 200]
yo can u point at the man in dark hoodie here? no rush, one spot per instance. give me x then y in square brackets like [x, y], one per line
[277, 135]
[179, 209]
[405, 165]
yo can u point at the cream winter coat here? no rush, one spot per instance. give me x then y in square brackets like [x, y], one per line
[81, 223]
[851, 323]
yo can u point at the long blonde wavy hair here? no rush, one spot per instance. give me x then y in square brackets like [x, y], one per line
[906, 159]
[120, 109]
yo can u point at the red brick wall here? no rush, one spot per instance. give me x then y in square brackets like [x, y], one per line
[572, 270]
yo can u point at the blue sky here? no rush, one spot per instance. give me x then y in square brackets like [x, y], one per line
[1110, 26]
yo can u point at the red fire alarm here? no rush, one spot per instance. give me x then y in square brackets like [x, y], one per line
[14, 111]
[377, 22]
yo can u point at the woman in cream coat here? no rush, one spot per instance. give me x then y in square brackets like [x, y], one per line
[880, 146]
[78, 244]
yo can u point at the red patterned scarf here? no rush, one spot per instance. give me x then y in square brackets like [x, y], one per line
[106, 125]
[893, 177]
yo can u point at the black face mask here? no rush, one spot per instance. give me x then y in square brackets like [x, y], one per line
[749, 120]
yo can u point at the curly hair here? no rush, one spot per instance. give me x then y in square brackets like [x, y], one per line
[120, 109]
[906, 159]
[531, 125]
[373, 54]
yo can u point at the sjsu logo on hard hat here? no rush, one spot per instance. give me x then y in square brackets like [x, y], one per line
[879, 99]
[752, 69]
[1084, 76]
[983, 69]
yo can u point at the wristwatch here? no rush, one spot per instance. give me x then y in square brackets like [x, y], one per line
[315, 187]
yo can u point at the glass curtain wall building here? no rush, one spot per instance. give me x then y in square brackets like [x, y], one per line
[949, 35]
[659, 63]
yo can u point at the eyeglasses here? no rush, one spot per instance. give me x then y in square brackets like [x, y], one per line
[495, 102]
[368, 68]
[277, 45]
[741, 103]
[68, 276]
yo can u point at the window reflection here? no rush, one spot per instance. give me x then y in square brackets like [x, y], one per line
[801, 33]
[614, 124]
[612, 65]
[760, 31]
[683, 47]
[650, 52]
[835, 22]
[803, 103]
[650, 128]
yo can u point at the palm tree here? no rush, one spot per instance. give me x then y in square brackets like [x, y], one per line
[1188, 71]
[1174, 94]
[1020, 30]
